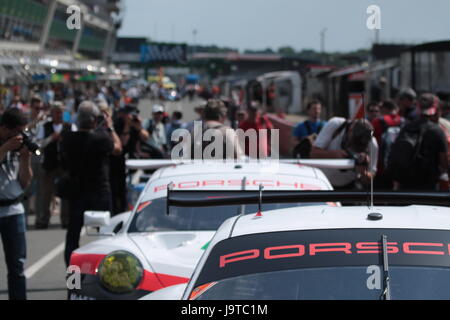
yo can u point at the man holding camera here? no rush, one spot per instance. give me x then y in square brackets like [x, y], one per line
[15, 177]
[85, 156]
[342, 139]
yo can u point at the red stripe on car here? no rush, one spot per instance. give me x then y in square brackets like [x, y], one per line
[89, 263]
[156, 281]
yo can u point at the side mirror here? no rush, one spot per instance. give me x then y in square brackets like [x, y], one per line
[118, 227]
[97, 219]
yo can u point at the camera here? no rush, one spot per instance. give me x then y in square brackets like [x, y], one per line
[135, 117]
[359, 158]
[27, 142]
[100, 119]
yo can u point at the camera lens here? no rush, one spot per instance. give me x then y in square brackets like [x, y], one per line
[33, 147]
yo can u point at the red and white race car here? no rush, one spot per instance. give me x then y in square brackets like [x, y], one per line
[398, 250]
[153, 247]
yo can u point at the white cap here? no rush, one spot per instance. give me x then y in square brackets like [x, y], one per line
[157, 108]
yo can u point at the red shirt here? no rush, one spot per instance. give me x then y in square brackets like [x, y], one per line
[390, 121]
[261, 122]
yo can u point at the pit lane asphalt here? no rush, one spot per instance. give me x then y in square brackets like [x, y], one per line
[45, 265]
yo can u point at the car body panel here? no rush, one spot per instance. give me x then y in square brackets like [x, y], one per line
[170, 293]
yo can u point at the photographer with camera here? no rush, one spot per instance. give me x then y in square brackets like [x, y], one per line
[117, 168]
[342, 139]
[15, 177]
[85, 157]
[129, 128]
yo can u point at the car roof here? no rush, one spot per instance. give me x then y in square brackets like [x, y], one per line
[229, 176]
[230, 167]
[324, 217]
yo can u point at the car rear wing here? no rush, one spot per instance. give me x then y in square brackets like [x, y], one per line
[192, 198]
[342, 164]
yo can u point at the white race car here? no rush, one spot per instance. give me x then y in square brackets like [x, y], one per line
[322, 252]
[152, 248]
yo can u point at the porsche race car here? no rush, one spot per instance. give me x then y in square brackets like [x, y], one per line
[399, 250]
[152, 247]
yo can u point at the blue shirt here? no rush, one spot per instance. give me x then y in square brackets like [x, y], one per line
[302, 130]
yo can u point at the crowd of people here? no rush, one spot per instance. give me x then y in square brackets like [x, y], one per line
[84, 137]
[400, 144]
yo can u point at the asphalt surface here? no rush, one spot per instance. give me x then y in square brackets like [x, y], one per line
[45, 267]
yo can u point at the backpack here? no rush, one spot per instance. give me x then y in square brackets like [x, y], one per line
[391, 131]
[406, 162]
[303, 149]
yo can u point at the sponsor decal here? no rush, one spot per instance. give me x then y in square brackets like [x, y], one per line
[312, 249]
[197, 292]
[267, 183]
[143, 205]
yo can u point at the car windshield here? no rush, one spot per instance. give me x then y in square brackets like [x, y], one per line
[153, 216]
[340, 283]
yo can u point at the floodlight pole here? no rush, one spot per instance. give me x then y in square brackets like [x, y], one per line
[322, 44]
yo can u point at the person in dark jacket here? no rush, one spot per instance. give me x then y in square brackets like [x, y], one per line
[50, 137]
[85, 156]
[427, 164]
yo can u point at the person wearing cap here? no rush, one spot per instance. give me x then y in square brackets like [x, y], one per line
[342, 139]
[431, 144]
[157, 129]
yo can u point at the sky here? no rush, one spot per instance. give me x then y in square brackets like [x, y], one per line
[260, 24]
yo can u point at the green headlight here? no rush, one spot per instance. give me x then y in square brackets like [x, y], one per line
[120, 272]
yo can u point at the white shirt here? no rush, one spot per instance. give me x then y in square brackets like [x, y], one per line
[45, 141]
[158, 135]
[340, 178]
[10, 187]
